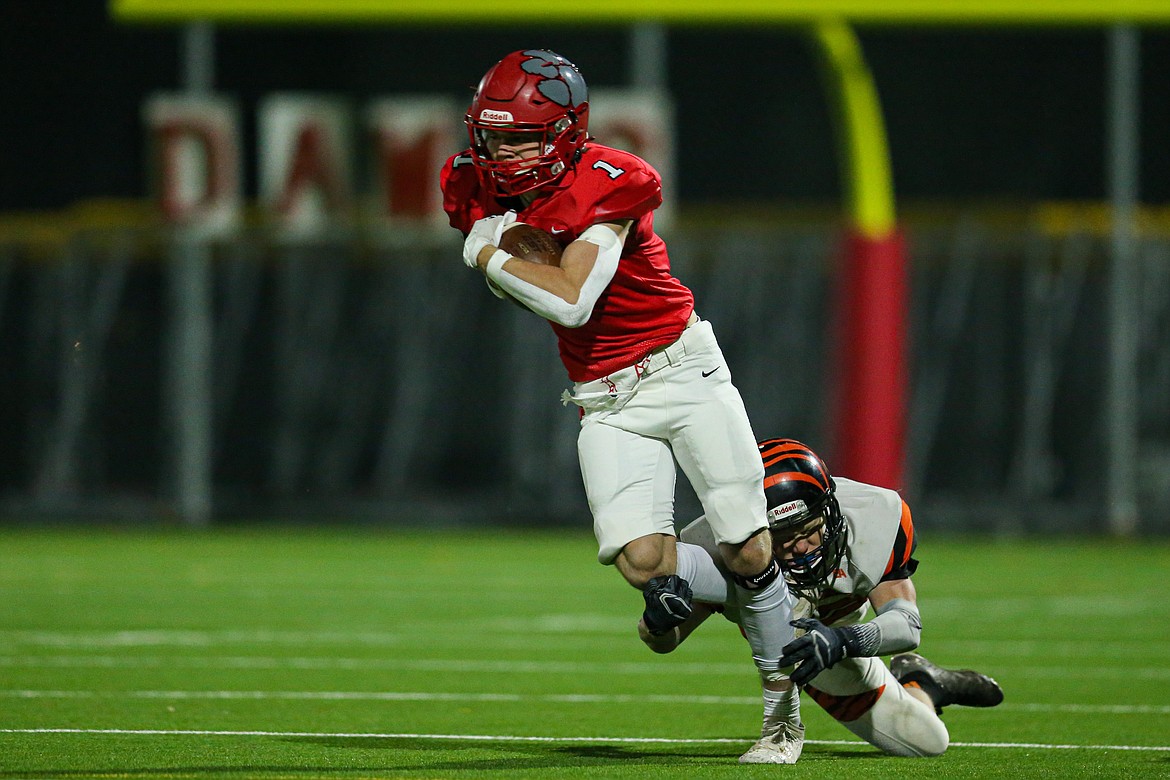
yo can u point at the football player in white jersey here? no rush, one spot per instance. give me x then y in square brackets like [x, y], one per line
[844, 547]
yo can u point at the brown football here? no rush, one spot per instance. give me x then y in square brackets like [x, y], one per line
[532, 244]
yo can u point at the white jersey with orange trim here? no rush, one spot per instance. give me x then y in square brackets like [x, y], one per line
[861, 693]
[881, 539]
[877, 520]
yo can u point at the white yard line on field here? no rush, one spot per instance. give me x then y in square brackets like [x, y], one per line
[191, 638]
[459, 666]
[583, 625]
[517, 738]
[456, 666]
[497, 631]
[567, 698]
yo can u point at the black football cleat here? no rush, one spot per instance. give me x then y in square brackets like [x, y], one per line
[945, 687]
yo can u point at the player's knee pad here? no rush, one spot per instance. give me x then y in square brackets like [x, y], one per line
[668, 603]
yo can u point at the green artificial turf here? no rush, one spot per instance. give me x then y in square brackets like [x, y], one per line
[352, 653]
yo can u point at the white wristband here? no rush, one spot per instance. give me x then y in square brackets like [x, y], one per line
[495, 266]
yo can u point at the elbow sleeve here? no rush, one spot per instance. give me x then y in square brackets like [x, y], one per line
[901, 627]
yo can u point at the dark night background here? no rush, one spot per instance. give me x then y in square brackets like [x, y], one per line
[972, 113]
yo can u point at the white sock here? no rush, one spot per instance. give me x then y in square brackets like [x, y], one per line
[696, 566]
[780, 707]
[765, 615]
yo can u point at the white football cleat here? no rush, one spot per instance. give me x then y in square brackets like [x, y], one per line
[781, 747]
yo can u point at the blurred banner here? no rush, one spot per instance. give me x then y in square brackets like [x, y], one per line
[196, 161]
[410, 138]
[640, 121]
[316, 172]
[306, 162]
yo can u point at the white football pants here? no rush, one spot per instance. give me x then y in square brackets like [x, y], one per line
[865, 697]
[684, 409]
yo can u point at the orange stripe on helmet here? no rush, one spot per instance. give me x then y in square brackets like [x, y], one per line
[773, 447]
[774, 455]
[774, 451]
[792, 476]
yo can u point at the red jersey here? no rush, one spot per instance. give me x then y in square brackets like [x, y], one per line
[644, 307]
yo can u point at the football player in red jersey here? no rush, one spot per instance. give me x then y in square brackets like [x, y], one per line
[844, 547]
[648, 374]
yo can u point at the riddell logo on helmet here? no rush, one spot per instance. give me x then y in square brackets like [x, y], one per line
[784, 510]
[488, 115]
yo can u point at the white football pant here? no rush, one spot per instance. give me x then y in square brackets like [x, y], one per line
[865, 697]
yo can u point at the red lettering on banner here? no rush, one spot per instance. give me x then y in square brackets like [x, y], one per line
[178, 179]
[305, 152]
[313, 169]
[407, 171]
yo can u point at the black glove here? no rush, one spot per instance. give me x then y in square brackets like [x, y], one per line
[816, 651]
[668, 603]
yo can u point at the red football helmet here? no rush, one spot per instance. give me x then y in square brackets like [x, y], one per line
[530, 91]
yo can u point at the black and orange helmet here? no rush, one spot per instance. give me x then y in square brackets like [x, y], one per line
[798, 488]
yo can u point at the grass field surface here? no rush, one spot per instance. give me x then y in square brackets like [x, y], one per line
[345, 653]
